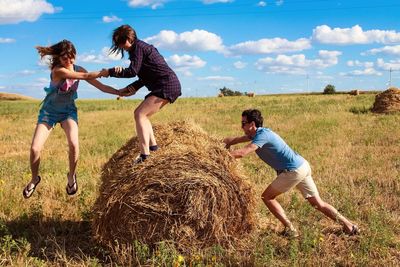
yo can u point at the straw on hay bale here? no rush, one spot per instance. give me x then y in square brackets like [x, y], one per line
[387, 101]
[190, 192]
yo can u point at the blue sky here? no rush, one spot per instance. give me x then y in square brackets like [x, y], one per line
[266, 47]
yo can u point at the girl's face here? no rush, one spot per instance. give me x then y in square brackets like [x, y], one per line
[66, 61]
[126, 46]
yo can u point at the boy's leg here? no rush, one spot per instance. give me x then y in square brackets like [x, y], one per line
[273, 205]
[330, 212]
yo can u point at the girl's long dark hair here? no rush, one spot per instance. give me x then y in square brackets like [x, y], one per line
[120, 35]
[57, 50]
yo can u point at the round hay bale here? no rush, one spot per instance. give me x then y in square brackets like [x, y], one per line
[190, 192]
[387, 101]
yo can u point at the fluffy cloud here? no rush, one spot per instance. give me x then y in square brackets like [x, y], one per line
[185, 63]
[154, 4]
[6, 40]
[196, 40]
[240, 64]
[15, 11]
[354, 35]
[297, 64]
[356, 63]
[102, 58]
[262, 4]
[267, 46]
[389, 50]
[113, 18]
[392, 64]
[365, 72]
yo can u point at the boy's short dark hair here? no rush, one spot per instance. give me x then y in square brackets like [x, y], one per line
[253, 115]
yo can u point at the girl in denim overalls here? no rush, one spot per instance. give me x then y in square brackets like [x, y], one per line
[59, 107]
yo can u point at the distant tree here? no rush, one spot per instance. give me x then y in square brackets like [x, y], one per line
[329, 89]
[228, 92]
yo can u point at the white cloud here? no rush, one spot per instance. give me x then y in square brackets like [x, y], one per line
[354, 35]
[196, 40]
[239, 64]
[113, 18]
[154, 4]
[217, 78]
[262, 4]
[357, 63]
[185, 63]
[102, 58]
[297, 64]
[392, 64]
[365, 72]
[279, 2]
[15, 11]
[208, 2]
[389, 50]
[6, 40]
[266, 46]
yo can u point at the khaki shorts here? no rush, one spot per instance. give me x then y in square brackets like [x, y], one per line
[301, 178]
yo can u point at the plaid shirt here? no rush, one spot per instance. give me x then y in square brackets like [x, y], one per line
[151, 69]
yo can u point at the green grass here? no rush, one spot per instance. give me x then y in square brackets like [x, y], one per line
[354, 155]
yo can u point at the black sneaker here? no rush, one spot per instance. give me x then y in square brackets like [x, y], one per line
[141, 158]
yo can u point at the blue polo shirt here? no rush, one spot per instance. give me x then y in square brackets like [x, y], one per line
[274, 151]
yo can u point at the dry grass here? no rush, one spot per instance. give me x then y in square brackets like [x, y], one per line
[9, 96]
[354, 155]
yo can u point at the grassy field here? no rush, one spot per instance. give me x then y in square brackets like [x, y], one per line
[355, 156]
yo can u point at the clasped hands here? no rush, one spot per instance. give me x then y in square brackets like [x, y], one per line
[127, 91]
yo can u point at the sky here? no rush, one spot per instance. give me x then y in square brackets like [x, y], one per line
[265, 47]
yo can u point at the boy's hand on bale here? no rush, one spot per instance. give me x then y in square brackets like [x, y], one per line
[227, 142]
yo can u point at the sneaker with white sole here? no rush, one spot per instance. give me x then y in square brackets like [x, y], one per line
[290, 232]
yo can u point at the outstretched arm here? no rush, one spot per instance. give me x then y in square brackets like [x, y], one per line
[81, 74]
[230, 141]
[102, 87]
[239, 153]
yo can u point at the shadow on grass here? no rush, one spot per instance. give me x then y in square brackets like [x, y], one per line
[56, 240]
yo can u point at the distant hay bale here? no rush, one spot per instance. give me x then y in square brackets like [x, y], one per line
[190, 192]
[354, 92]
[387, 101]
[250, 94]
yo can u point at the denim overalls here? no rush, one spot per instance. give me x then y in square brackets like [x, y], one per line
[59, 103]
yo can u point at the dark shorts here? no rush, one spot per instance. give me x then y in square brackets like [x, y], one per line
[168, 88]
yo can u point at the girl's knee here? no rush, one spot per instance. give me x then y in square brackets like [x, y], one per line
[138, 114]
[35, 150]
[74, 147]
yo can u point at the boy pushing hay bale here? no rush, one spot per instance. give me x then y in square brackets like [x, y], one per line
[189, 192]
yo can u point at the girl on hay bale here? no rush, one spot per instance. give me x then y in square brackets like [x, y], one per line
[59, 107]
[291, 168]
[154, 73]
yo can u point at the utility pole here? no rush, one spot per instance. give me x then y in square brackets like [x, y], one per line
[390, 77]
